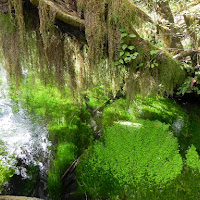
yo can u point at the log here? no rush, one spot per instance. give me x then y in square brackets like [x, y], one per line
[7, 197]
[63, 14]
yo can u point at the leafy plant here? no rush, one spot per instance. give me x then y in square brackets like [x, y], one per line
[6, 173]
[191, 83]
[127, 53]
[152, 62]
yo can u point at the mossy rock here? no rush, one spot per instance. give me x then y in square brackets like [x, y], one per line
[129, 154]
[163, 109]
[152, 108]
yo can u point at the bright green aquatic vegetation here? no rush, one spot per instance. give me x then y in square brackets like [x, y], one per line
[5, 174]
[164, 110]
[151, 108]
[66, 154]
[67, 123]
[6, 171]
[144, 152]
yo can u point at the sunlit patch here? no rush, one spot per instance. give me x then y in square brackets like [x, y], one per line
[130, 124]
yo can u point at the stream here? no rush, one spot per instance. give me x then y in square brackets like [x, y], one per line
[24, 139]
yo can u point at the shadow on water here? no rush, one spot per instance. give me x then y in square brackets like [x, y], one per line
[190, 102]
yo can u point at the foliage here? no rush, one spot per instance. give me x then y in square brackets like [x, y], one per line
[5, 174]
[193, 158]
[6, 171]
[191, 83]
[129, 154]
[164, 110]
[96, 96]
[127, 53]
[67, 120]
[194, 126]
[65, 155]
[152, 108]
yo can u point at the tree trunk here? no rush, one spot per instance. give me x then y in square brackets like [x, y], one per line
[168, 35]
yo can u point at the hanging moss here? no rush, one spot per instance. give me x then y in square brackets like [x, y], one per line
[61, 59]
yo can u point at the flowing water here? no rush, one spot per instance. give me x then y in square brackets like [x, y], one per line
[22, 137]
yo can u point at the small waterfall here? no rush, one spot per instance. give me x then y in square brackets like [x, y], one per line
[21, 136]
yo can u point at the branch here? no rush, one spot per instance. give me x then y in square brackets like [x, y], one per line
[63, 15]
[185, 54]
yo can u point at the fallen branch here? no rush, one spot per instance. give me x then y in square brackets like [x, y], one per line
[63, 15]
[185, 54]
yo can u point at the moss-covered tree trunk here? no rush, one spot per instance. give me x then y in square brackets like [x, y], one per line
[168, 34]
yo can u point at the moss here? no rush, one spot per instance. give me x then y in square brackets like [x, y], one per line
[194, 126]
[117, 111]
[129, 154]
[164, 110]
[65, 155]
[6, 171]
[152, 108]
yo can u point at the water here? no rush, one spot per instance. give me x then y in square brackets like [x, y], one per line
[21, 136]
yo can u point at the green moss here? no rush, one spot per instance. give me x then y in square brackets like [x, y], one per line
[130, 154]
[66, 154]
[152, 108]
[96, 96]
[194, 127]
[116, 111]
[185, 187]
[6, 171]
[164, 110]
[192, 158]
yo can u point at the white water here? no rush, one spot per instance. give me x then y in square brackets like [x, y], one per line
[21, 136]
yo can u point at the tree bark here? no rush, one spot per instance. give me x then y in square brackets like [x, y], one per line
[169, 36]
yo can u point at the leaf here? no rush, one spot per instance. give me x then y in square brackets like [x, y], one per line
[124, 46]
[120, 66]
[152, 66]
[127, 54]
[121, 53]
[153, 52]
[131, 47]
[116, 63]
[132, 36]
[122, 41]
[141, 64]
[127, 59]
[121, 61]
[124, 35]
[122, 30]
[133, 57]
[156, 64]
[135, 54]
